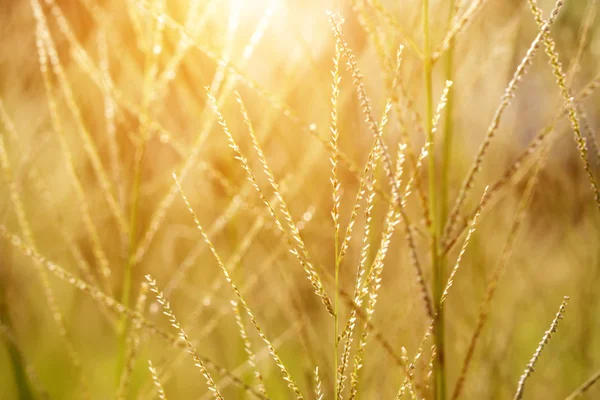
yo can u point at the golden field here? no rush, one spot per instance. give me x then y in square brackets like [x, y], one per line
[299, 199]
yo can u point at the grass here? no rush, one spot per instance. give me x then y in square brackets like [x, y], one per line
[379, 201]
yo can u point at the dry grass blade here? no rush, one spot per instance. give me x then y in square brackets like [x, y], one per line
[234, 261]
[374, 32]
[582, 95]
[110, 104]
[248, 348]
[529, 369]
[228, 377]
[318, 393]
[416, 121]
[505, 101]
[335, 213]
[410, 369]
[348, 331]
[370, 288]
[159, 387]
[184, 337]
[565, 92]
[300, 248]
[233, 209]
[429, 368]
[335, 134]
[360, 193]
[464, 247]
[295, 241]
[499, 269]
[285, 373]
[519, 162]
[383, 152]
[580, 391]
[366, 178]
[365, 102]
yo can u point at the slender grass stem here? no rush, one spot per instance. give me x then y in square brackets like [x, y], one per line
[436, 223]
[133, 218]
[443, 216]
[336, 324]
[127, 277]
[448, 134]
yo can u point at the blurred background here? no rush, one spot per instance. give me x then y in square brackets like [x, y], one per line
[89, 155]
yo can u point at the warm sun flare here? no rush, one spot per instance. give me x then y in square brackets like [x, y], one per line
[299, 199]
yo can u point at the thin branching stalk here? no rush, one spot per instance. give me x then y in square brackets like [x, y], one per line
[358, 292]
[159, 387]
[444, 203]
[284, 371]
[335, 212]
[581, 390]
[377, 131]
[132, 345]
[529, 369]
[318, 392]
[448, 134]
[372, 281]
[499, 270]
[232, 210]
[295, 241]
[505, 101]
[520, 161]
[440, 305]
[433, 212]
[248, 348]
[151, 66]
[568, 99]
[184, 337]
[370, 289]
[229, 377]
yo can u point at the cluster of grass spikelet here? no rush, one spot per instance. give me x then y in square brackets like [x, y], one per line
[290, 199]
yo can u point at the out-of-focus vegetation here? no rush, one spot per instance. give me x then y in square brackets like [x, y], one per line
[452, 123]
